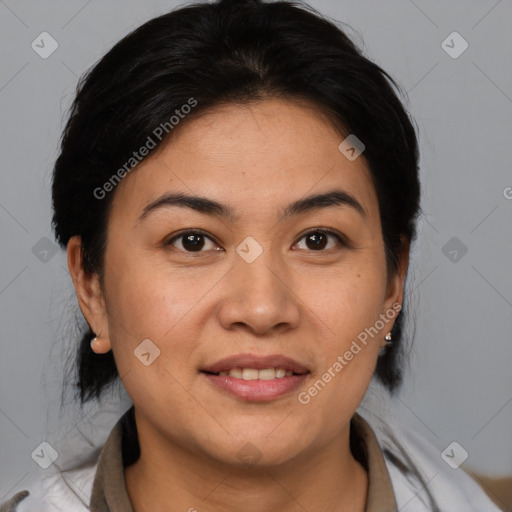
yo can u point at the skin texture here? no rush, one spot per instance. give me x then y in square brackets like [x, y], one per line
[198, 307]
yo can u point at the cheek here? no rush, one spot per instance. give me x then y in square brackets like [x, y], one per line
[145, 304]
[147, 301]
[147, 292]
[347, 309]
[348, 298]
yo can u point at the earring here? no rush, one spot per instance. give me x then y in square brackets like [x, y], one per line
[388, 339]
[95, 343]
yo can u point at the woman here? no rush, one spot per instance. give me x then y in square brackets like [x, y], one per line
[237, 191]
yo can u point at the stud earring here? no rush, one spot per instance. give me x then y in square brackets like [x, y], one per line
[94, 342]
[388, 339]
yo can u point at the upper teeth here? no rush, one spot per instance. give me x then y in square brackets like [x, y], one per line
[253, 373]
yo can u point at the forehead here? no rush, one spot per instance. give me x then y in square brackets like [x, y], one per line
[249, 156]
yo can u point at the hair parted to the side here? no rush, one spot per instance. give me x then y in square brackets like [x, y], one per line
[217, 53]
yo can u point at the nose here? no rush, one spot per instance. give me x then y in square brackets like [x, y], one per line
[259, 296]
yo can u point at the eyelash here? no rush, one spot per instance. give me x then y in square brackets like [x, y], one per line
[338, 236]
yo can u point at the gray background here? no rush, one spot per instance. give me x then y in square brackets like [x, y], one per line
[459, 387]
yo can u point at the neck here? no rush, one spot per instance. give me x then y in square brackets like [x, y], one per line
[328, 479]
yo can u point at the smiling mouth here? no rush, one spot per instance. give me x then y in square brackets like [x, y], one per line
[256, 384]
[256, 377]
[256, 374]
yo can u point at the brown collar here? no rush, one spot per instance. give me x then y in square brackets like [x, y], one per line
[122, 449]
[380, 497]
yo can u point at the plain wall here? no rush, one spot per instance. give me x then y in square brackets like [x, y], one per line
[459, 386]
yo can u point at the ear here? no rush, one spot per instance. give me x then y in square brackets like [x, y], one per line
[89, 294]
[395, 291]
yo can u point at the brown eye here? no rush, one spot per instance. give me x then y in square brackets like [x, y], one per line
[318, 240]
[191, 241]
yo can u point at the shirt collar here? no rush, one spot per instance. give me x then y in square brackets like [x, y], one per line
[122, 449]
[367, 451]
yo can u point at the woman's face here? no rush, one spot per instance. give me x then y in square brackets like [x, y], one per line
[253, 283]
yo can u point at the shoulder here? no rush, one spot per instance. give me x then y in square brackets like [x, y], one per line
[421, 479]
[54, 491]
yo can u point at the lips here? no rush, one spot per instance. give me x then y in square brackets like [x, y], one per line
[256, 362]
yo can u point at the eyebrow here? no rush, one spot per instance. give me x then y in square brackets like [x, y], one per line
[213, 208]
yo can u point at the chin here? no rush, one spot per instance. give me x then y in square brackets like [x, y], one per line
[255, 449]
